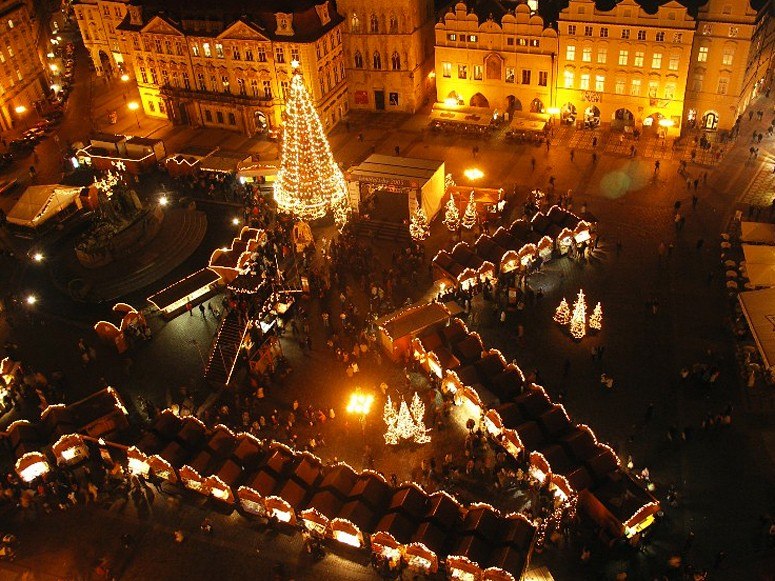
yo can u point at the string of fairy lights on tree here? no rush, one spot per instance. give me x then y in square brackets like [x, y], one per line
[309, 182]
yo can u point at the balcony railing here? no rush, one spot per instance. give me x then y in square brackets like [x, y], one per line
[229, 98]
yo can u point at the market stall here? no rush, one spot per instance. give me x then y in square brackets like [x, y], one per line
[757, 232]
[758, 312]
[32, 466]
[222, 161]
[399, 328]
[39, 204]
[191, 289]
[70, 449]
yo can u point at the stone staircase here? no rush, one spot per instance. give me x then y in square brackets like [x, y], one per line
[381, 230]
[225, 349]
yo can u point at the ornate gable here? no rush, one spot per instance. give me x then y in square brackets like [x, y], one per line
[160, 25]
[284, 24]
[323, 14]
[241, 30]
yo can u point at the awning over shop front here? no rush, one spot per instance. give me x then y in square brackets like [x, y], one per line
[480, 116]
[759, 310]
[758, 232]
[760, 265]
[525, 124]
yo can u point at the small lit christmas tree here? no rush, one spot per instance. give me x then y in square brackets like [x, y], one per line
[452, 215]
[469, 217]
[596, 318]
[562, 313]
[449, 182]
[404, 422]
[418, 226]
[578, 321]
[417, 409]
[389, 415]
[309, 182]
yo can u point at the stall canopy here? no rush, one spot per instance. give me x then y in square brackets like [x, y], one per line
[223, 161]
[480, 116]
[525, 124]
[760, 264]
[759, 310]
[41, 203]
[758, 232]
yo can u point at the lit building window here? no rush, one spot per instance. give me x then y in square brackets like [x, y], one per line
[568, 79]
[656, 60]
[619, 86]
[477, 72]
[702, 55]
[584, 82]
[638, 60]
[602, 56]
[653, 89]
[728, 56]
[462, 72]
[510, 74]
[674, 62]
[600, 83]
[669, 90]
[586, 54]
[206, 49]
[635, 87]
[624, 56]
[446, 70]
[570, 52]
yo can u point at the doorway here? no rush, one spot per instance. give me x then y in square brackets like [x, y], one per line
[379, 100]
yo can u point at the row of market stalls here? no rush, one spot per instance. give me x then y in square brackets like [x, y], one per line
[268, 479]
[245, 167]
[224, 266]
[358, 509]
[63, 431]
[512, 248]
[521, 417]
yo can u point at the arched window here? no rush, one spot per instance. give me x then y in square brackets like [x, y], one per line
[377, 61]
[396, 61]
[355, 24]
[374, 23]
[358, 60]
[393, 24]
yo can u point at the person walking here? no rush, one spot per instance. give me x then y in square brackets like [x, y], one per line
[656, 167]
[202, 311]
[572, 154]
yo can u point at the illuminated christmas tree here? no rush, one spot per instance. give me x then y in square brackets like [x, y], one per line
[469, 217]
[404, 422]
[596, 318]
[562, 313]
[309, 182]
[449, 182]
[418, 226]
[452, 215]
[390, 417]
[417, 409]
[578, 321]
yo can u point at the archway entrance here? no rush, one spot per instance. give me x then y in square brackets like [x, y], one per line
[710, 120]
[591, 117]
[568, 113]
[513, 104]
[479, 100]
[536, 106]
[622, 118]
[107, 68]
[453, 99]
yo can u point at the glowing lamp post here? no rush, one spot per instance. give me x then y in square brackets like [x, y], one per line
[473, 174]
[553, 112]
[360, 405]
[20, 111]
[134, 106]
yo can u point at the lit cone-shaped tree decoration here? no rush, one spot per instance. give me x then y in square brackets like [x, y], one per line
[562, 313]
[418, 226]
[449, 182]
[404, 422]
[596, 318]
[391, 419]
[309, 182]
[578, 321]
[417, 409]
[452, 215]
[469, 217]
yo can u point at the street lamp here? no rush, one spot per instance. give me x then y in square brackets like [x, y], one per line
[31, 300]
[38, 257]
[163, 200]
[360, 405]
[235, 221]
[134, 106]
[20, 111]
[473, 173]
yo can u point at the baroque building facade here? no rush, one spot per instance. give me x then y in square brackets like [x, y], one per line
[389, 53]
[201, 68]
[667, 69]
[23, 76]
[502, 60]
